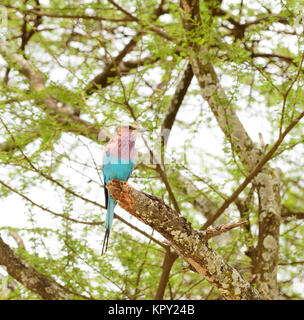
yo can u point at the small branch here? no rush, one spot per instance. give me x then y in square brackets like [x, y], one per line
[40, 13]
[18, 239]
[150, 26]
[177, 98]
[213, 232]
[61, 215]
[111, 70]
[292, 263]
[158, 168]
[199, 199]
[286, 213]
[118, 7]
[174, 106]
[169, 259]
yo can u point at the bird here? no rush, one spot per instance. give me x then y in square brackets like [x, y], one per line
[118, 162]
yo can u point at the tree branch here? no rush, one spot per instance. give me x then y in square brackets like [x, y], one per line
[43, 286]
[286, 213]
[174, 106]
[189, 243]
[213, 232]
[37, 83]
[112, 69]
[169, 259]
[40, 13]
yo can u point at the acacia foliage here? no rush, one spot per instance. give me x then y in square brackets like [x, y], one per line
[100, 63]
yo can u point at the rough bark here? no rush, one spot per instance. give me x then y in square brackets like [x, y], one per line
[43, 286]
[190, 244]
[266, 259]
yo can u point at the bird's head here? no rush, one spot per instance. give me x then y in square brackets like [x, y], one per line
[130, 129]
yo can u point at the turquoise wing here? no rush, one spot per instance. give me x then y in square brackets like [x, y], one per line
[113, 168]
[116, 168]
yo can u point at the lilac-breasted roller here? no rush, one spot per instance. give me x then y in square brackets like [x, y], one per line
[118, 162]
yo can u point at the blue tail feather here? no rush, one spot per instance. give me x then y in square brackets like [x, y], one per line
[110, 213]
[108, 223]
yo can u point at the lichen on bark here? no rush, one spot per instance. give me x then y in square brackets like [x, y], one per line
[265, 260]
[189, 243]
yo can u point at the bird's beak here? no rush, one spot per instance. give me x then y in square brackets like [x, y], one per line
[141, 130]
